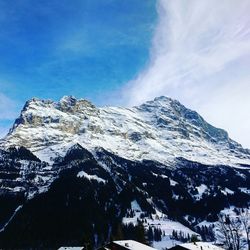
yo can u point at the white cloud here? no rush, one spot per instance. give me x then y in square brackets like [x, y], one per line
[200, 56]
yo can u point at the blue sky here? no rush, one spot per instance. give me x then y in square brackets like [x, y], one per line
[85, 48]
[124, 52]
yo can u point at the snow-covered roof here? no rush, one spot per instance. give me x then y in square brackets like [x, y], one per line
[200, 246]
[133, 245]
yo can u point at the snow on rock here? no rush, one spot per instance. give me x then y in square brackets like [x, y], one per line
[173, 183]
[245, 190]
[159, 130]
[201, 190]
[83, 174]
[227, 191]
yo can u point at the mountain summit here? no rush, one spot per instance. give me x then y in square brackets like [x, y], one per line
[162, 130]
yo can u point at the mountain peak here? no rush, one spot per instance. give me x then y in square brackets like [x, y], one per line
[68, 100]
[36, 102]
[163, 98]
[159, 101]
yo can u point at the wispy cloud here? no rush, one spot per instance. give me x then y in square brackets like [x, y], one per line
[200, 55]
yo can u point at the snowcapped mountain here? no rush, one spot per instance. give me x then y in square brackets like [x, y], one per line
[72, 173]
[161, 130]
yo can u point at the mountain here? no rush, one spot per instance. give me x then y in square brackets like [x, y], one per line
[161, 130]
[74, 174]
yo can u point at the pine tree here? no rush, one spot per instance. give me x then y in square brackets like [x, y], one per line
[140, 233]
[150, 234]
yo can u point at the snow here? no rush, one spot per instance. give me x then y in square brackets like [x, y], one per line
[173, 183]
[200, 245]
[205, 223]
[166, 242]
[231, 212]
[164, 176]
[13, 215]
[82, 174]
[133, 245]
[18, 189]
[245, 190]
[50, 130]
[161, 221]
[168, 226]
[201, 190]
[227, 191]
[135, 206]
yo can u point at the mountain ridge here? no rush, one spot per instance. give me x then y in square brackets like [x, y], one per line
[159, 127]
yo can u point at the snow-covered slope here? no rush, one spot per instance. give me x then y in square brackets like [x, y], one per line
[161, 130]
[200, 245]
[85, 192]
